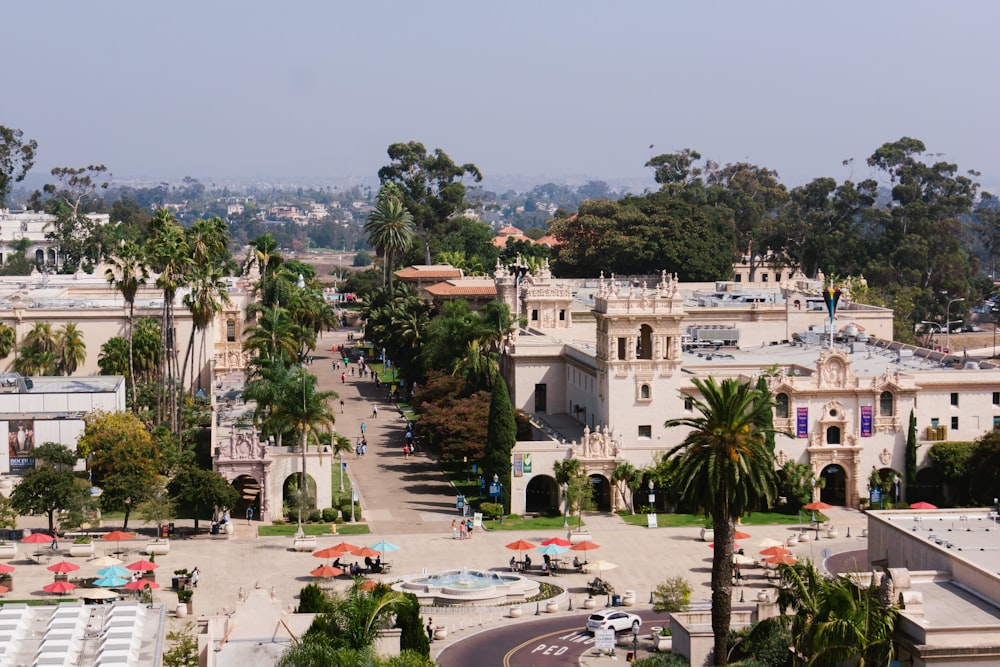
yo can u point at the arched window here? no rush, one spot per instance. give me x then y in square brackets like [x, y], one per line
[644, 391]
[833, 435]
[886, 405]
[645, 347]
[781, 406]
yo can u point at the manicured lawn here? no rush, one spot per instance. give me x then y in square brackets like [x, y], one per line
[554, 523]
[288, 530]
[698, 520]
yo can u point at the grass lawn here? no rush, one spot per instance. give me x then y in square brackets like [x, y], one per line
[288, 530]
[698, 520]
[514, 522]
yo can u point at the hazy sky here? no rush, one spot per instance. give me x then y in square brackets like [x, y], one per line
[544, 89]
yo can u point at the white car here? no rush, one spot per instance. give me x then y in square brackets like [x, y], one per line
[615, 619]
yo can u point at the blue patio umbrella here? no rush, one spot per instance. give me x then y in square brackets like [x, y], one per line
[552, 550]
[110, 582]
[114, 571]
[383, 546]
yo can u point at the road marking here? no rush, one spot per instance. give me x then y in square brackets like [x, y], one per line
[547, 649]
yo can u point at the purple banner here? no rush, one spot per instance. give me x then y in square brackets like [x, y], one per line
[802, 422]
[866, 421]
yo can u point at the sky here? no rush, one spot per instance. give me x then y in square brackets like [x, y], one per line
[553, 90]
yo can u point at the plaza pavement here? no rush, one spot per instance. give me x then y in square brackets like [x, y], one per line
[408, 502]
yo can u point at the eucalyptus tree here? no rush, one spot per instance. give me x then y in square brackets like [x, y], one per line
[726, 469]
[127, 274]
[17, 156]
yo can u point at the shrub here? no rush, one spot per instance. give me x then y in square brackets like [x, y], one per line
[83, 540]
[315, 516]
[346, 512]
[491, 510]
[672, 595]
[312, 600]
[185, 595]
[329, 515]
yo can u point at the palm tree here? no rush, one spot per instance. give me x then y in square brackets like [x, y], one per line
[37, 355]
[273, 335]
[727, 470]
[8, 340]
[390, 230]
[71, 351]
[127, 273]
[205, 300]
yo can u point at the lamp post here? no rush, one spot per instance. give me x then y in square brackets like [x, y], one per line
[931, 331]
[566, 505]
[947, 333]
[499, 486]
[652, 498]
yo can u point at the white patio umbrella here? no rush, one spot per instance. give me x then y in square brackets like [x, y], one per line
[741, 559]
[597, 566]
[770, 542]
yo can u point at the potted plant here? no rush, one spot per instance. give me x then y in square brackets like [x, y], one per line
[158, 509]
[708, 532]
[8, 521]
[184, 597]
[181, 579]
[664, 641]
[82, 547]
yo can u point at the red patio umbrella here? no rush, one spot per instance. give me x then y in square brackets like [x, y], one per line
[6, 569]
[37, 538]
[59, 587]
[558, 541]
[585, 546]
[775, 551]
[63, 567]
[736, 547]
[366, 585]
[140, 584]
[520, 546]
[366, 552]
[142, 565]
[117, 536]
[781, 560]
[3, 589]
[326, 572]
[817, 506]
[921, 505]
[740, 535]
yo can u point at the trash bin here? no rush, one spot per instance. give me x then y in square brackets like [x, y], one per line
[164, 530]
[171, 529]
[215, 529]
[616, 600]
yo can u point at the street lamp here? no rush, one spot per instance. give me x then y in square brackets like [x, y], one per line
[652, 498]
[341, 455]
[499, 486]
[566, 505]
[947, 333]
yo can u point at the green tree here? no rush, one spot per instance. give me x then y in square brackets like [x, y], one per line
[8, 340]
[51, 485]
[17, 156]
[71, 351]
[623, 477]
[202, 491]
[124, 460]
[725, 469]
[127, 273]
[671, 595]
[80, 241]
[501, 436]
[355, 619]
[37, 354]
[390, 230]
[206, 299]
[183, 651]
[579, 491]
[8, 515]
[984, 469]
[430, 185]
[158, 507]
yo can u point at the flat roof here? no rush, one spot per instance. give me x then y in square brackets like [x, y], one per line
[91, 384]
[972, 535]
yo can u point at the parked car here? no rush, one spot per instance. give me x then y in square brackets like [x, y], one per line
[615, 619]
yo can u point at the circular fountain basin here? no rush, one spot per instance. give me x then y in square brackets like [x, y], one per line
[468, 587]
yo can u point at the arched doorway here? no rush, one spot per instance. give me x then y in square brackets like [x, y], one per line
[602, 493]
[249, 490]
[542, 496]
[892, 483]
[291, 499]
[929, 488]
[834, 491]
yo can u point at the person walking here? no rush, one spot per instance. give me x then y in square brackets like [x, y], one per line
[362, 429]
[343, 378]
[195, 576]
[55, 542]
[430, 629]
[249, 516]
[454, 529]
[374, 412]
[341, 406]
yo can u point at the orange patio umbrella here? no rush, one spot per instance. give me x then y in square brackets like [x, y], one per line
[923, 505]
[775, 551]
[336, 550]
[817, 506]
[520, 545]
[60, 587]
[585, 546]
[367, 585]
[141, 584]
[3, 589]
[117, 536]
[63, 567]
[326, 572]
[740, 535]
[781, 560]
[365, 552]
[558, 541]
[37, 538]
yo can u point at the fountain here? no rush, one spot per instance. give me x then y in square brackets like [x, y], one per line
[468, 587]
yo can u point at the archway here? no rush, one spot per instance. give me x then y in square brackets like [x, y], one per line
[249, 490]
[834, 491]
[290, 496]
[602, 493]
[39, 257]
[892, 485]
[542, 496]
[929, 488]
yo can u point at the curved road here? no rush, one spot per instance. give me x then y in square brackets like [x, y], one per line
[545, 642]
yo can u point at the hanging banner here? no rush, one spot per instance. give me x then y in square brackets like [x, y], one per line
[866, 421]
[527, 464]
[518, 465]
[802, 422]
[831, 296]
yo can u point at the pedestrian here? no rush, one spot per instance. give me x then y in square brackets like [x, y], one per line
[409, 436]
[55, 542]
[341, 406]
[249, 515]
[406, 452]
[374, 412]
[362, 428]
[195, 576]
[343, 378]
[430, 629]
[364, 447]
[461, 530]
[454, 529]
[468, 527]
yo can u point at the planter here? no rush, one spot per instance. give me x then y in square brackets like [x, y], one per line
[182, 609]
[590, 603]
[8, 550]
[82, 550]
[663, 644]
[577, 536]
[551, 607]
[763, 596]
[230, 528]
[792, 541]
[306, 543]
[158, 547]
[516, 611]
[864, 532]
[190, 606]
[708, 534]
[804, 536]
[628, 600]
[832, 532]
[440, 633]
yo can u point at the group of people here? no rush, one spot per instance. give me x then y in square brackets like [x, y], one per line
[461, 530]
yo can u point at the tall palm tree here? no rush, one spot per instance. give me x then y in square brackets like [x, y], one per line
[273, 335]
[727, 470]
[71, 351]
[205, 300]
[37, 355]
[8, 340]
[390, 230]
[127, 274]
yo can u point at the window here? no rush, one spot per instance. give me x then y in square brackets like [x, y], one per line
[954, 423]
[621, 348]
[954, 398]
[534, 314]
[562, 314]
[541, 398]
[230, 331]
[996, 398]
[739, 277]
[833, 435]
[688, 403]
[885, 404]
[645, 432]
[934, 422]
[781, 406]
[996, 421]
[644, 350]
[644, 392]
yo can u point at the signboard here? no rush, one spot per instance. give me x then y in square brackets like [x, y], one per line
[527, 464]
[604, 640]
[802, 422]
[343, 465]
[460, 502]
[21, 445]
[518, 466]
[495, 489]
[651, 521]
[477, 520]
[866, 421]
[875, 496]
